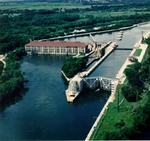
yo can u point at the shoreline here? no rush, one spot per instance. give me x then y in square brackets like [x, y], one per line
[68, 79]
[120, 77]
[91, 32]
[94, 32]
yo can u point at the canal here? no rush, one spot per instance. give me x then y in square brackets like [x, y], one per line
[43, 113]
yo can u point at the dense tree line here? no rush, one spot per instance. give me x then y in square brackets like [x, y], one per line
[138, 77]
[72, 66]
[37, 24]
[121, 7]
[1, 67]
[134, 86]
[12, 79]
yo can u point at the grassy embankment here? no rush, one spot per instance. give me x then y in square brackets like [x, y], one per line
[115, 114]
[137, 52]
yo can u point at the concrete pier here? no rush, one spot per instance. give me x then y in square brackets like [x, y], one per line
[74, 88]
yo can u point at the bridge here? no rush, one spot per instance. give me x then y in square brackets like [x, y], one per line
[79, 84]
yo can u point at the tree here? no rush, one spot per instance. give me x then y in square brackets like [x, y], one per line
[129, 93]
[73, 65]
[114, 135]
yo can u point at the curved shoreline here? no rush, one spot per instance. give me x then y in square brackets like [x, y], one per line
[119, 79]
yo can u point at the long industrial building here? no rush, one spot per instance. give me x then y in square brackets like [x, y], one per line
[42, 47]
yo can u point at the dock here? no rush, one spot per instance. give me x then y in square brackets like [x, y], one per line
[120, 34]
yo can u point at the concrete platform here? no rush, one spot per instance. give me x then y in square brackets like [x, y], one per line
[71, 96]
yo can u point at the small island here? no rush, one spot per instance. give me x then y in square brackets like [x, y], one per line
[73, 65]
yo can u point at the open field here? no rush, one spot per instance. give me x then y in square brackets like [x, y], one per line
[113, 116]
[40, 5]
[137, 52]
[107, 14]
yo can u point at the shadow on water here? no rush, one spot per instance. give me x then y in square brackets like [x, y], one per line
[12, 99]
[64, 80]
[44, 58]
[92, 96]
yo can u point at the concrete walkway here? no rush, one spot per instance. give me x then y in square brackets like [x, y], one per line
[2, 57]
[120, 77]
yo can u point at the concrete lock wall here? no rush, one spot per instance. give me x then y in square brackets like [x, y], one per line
[91, 83]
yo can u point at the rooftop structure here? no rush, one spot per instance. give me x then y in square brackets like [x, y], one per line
[71, 48]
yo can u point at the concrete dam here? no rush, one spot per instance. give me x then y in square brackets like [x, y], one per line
[79, 84]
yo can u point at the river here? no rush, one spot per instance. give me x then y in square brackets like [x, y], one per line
[43, 113]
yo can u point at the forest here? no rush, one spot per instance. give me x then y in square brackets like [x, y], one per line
[12, 80]
[72, 66]
[18, 27]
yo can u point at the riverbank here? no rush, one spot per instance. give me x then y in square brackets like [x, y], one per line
[87, 33]
[94, 32]
[120, 77]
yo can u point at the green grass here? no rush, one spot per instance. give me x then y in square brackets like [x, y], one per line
[125, 113]
[41, 5]
[137, 52]
[112, 13]
[113, 116]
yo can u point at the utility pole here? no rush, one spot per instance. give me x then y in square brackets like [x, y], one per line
[137, 96]
[142, 37]
[118, 98]
[118, 94]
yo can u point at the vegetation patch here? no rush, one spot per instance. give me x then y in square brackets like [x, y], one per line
[12, 79]
[73, 65]
[137, 52]
[1, 67]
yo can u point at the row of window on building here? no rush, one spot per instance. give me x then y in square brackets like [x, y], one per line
[54, 50]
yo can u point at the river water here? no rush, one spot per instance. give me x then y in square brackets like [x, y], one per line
[43, 113]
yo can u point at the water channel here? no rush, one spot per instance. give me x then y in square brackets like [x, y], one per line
[43, 113]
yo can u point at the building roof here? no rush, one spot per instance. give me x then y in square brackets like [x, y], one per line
[56, 44]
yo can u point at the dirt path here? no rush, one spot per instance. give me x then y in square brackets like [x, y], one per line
[2, 57]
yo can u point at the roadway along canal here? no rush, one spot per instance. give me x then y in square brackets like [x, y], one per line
[43, 113]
